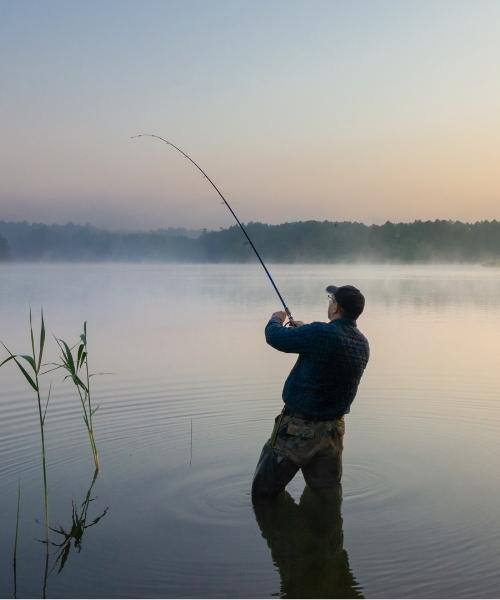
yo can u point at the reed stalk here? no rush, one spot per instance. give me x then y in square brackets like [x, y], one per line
[191, 444]
[77, 368]
[34, 361]
[16, 536]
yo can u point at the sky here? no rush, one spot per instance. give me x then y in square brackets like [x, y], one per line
[367, 110]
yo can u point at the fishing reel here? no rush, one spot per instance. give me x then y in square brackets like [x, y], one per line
[290, 322]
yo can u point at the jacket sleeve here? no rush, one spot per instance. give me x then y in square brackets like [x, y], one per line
[290, 339]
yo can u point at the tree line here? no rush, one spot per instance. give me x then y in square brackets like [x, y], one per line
[301, 241]
[4, 249]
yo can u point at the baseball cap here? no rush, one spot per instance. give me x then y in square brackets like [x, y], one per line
[349, 298]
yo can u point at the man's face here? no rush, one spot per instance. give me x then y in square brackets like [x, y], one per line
[333, 307]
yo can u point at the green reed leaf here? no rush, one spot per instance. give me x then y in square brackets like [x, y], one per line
[12, 356]
[42, 342]
[79, 360]
[77, 381]
[47, 403]
[32, 336]
[62, 356]
[23, 370]
[69, 357]
[64, 364]
[26, 374]
[29, 359]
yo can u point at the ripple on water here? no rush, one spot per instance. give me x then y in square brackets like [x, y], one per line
[361, 483]
[209, 496]
[221, 495]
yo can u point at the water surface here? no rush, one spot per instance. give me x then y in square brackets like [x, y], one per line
[189, 403]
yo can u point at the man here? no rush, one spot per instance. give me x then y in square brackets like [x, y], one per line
[308, 434]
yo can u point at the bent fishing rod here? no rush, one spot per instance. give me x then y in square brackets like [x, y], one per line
[287, 310]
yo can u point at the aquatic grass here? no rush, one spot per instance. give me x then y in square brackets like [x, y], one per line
[77, 369]
[32, 375]
[191, 444]
[16, 536]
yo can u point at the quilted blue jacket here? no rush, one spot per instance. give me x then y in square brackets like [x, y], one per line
[332, 358]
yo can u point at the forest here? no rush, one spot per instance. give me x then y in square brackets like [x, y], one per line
[301, 241]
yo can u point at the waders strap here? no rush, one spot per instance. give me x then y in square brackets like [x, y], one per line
[276, 428]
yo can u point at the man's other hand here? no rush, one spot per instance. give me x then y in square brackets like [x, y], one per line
[279, 314]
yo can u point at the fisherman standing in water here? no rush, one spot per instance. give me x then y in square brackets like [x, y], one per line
[309, 432]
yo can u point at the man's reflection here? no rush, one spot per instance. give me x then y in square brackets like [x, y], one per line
[306, 543]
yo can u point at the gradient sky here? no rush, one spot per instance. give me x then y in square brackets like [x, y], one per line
[367, 111]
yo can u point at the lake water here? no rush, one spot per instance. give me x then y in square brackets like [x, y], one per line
[189, 402]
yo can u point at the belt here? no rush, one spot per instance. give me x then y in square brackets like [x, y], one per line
[290, 413]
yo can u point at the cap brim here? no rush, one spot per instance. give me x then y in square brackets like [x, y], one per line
[332, 289]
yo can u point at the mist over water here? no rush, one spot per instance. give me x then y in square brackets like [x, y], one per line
[189, 402]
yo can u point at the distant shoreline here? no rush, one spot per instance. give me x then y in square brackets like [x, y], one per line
[307, 242]
[61, 262]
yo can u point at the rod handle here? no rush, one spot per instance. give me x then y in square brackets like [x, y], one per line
[291, 322]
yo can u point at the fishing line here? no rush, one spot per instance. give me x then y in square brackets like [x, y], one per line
[288, 313]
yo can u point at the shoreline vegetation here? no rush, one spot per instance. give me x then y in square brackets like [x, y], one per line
[442, 241]
[76, 367]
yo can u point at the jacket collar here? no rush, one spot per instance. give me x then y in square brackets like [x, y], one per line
[345, 321]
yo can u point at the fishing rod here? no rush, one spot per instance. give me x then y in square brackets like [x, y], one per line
[287, 310]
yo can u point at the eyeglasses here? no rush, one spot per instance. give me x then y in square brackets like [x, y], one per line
[331, 298]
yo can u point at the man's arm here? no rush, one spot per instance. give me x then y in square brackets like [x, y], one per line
[296, 339]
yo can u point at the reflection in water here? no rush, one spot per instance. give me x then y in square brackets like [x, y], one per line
[74, 534]
[306, 542]
[78, 527]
